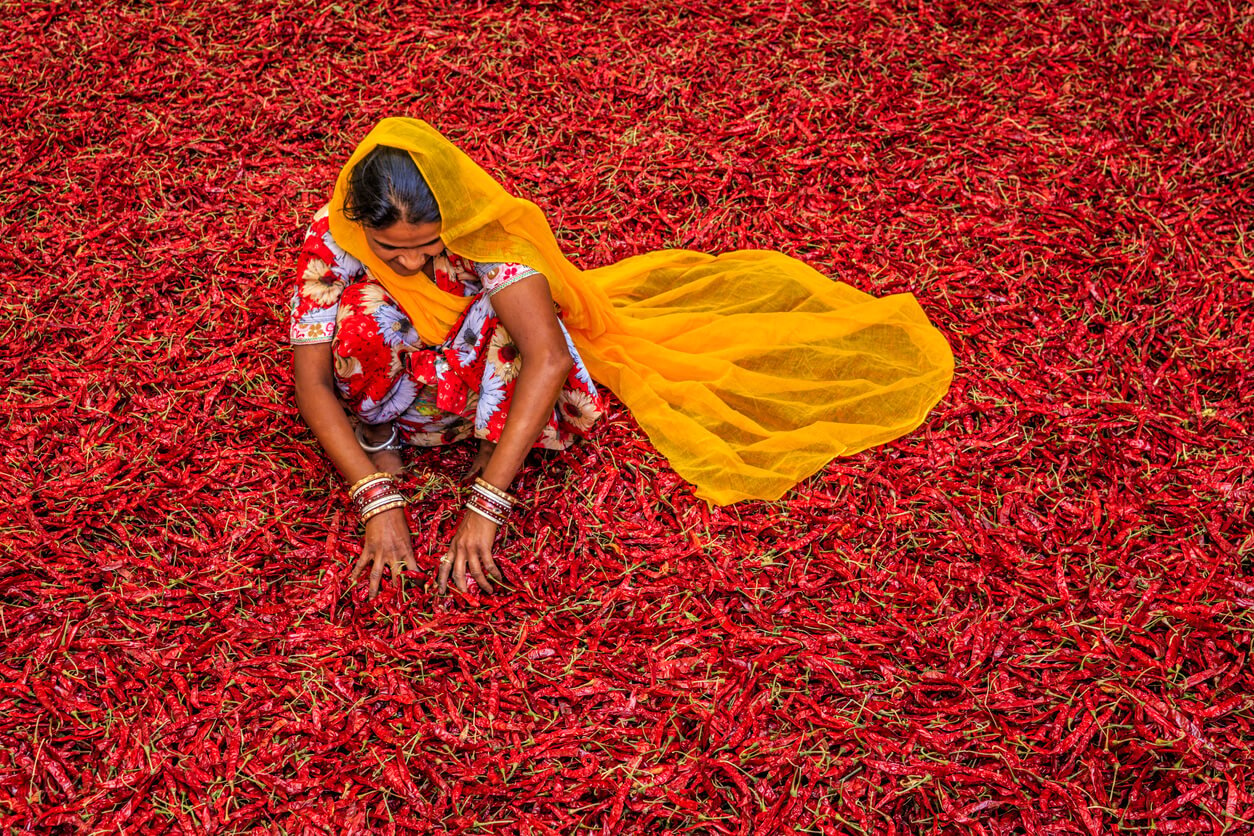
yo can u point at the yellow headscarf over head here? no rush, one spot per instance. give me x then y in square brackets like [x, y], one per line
[749, 370]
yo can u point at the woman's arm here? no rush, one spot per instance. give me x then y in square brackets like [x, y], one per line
[525, 309]
[387, 534]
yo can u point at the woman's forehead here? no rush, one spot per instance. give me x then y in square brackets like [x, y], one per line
[404, 235]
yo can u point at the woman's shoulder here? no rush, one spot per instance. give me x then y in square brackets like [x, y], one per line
[320, 225]
[320, 244]
[485, 276]
[498, 275]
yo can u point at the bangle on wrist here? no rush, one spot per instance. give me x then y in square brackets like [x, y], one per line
[387, 499]
[490, 500]
[487, 515]
[496, 511]
[365, 480]
[373, 494]
[483, 485]
[383, 505]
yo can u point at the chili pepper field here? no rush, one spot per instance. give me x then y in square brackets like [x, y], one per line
[1031, 615]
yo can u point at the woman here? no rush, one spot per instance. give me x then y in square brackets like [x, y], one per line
[436, 306]
[353, 342]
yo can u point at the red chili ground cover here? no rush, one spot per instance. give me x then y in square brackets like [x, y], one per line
[1030, 616]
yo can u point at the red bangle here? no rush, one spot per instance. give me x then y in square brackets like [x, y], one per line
[371, 493]
[478, 503]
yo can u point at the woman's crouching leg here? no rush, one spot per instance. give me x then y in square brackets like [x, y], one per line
[376, 351]
[372, 335]
[426, 425]
[579, 405]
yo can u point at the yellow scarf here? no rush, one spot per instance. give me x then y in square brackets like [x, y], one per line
[749, 370]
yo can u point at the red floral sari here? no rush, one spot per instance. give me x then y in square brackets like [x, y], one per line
[435, 394]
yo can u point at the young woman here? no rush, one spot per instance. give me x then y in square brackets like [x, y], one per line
[353, 343]
[435, 307]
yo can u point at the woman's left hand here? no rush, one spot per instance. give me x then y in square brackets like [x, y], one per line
[471, 551]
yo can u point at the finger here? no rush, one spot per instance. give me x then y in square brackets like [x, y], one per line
[459, 574]
[360, 567]
[489, 565]
[396, 565]
[396, 571]
[446, 566]
[476, 569]
[411, 565]
[376, 575]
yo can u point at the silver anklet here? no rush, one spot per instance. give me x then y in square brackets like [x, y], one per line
[390, 444]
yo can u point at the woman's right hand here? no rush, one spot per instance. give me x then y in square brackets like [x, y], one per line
[387, 543]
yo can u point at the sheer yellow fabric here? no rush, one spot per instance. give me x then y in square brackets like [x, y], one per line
[749, 370]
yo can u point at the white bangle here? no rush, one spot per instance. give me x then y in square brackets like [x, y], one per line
[388, 499]
[495, 500]
[497, 520]
[365, 518]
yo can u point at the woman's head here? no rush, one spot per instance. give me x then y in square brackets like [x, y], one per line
[386, 187]
[388, 196]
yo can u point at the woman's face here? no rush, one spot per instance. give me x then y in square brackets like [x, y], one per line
[405, 247]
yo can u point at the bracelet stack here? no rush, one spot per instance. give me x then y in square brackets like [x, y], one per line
[375, 494]
[490, 502]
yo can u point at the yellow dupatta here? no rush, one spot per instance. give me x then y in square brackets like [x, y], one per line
[748, 370]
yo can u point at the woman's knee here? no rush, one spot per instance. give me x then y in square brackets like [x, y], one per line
[370, 332]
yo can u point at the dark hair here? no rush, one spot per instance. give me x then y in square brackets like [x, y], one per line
[386, 187]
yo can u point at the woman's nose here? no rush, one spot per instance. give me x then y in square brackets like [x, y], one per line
[411, 262]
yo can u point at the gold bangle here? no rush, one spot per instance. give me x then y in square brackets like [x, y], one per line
[380, 501]
[361, 483]
[503, 494]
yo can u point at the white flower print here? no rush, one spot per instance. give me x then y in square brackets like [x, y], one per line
[503, 355]
[576, 408]
[346, 267]
[372, 297]
[548, 438]
[315, 269]
[346, 367]
[398, 399]
[467, 340]
[323, 294]
[491, 396]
